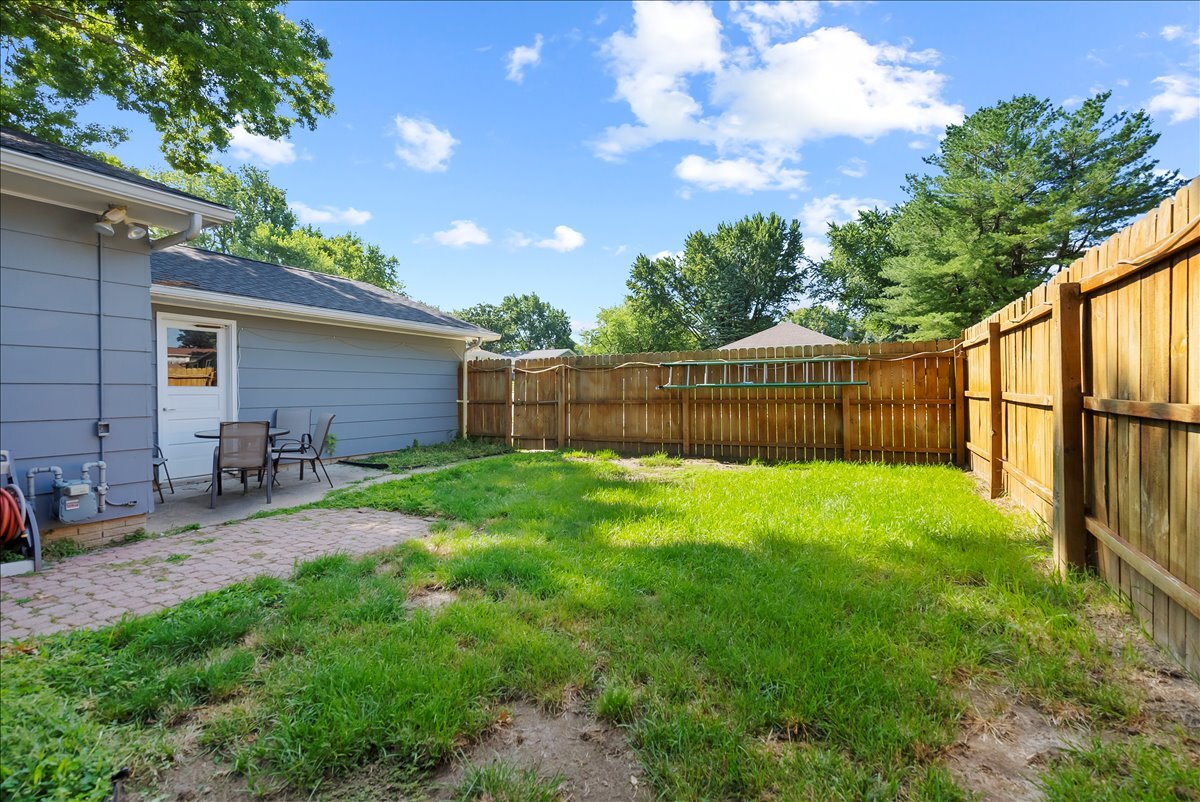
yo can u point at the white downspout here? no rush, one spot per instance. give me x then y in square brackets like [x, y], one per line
[189, 233]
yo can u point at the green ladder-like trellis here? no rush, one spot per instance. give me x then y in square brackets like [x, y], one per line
[816, 371]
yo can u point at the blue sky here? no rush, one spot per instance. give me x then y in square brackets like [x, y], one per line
[507, 148]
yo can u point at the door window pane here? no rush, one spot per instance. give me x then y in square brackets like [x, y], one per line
[191, 358]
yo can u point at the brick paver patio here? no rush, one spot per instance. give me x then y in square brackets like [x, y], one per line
[98, 588]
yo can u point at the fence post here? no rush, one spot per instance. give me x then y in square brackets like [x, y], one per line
[959, 387]
[510, 405]
[1070, 535]
[995, 410]
[849, 446]
[462, 396]
[685, 421]
[562, 405]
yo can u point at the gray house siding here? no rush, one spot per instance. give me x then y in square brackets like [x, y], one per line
[386, 389]
[49, 367]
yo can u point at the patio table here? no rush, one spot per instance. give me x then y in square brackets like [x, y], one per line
[215, 434]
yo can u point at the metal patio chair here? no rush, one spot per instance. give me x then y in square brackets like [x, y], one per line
[312, 447]
[160, 463]
[298, 422]
[244, 446]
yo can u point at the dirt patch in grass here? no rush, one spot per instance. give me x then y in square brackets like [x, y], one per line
[1169, 695]
[1006, 744]
[593, 758]
[432, 599]
[195, 775]
[1004, 747]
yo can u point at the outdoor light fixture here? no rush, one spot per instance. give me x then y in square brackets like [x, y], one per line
[114, 214]
[135, 232]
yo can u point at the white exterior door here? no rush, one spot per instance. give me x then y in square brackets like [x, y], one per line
[196, 374]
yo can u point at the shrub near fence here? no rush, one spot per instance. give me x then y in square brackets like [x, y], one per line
[905, 412]
[1083, 404]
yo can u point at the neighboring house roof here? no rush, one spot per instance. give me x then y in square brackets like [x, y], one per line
[480, 353]
[781, 335]
[44, 171]
[189, 275]
[540, 353]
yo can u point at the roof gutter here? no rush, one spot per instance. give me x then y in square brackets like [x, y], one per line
[69, 175]
[222, 302]
[195, 224]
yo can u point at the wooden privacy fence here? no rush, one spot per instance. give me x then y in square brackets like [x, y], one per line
[1081, 401]
[1083, 404]
[903, 406]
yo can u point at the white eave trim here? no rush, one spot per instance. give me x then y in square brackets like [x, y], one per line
[68, 175]
[221, 302]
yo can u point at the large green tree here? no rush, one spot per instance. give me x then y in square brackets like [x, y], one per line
[834, 322]
[248, 191]
[525, 322]
[731, 283]
[195, 68]
[625, 329]
[344, 254]
[1020, 189]
[852, 278]
[266, 229]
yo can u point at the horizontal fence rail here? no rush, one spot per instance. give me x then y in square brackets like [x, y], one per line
[893, 402]
[1083, 405]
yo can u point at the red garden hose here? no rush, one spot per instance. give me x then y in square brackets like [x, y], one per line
[12, 517]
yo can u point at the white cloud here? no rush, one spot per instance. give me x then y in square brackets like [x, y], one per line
[1171, 32]
[252, 147]
[516, 239]
[831, 82]
[742, 174]
[670, 41]
[762, 106]
[461, 234]
[522, 57]
[818, 213]
[620, 250]
[565, 239]
[855, 167]
[765, 22]
[918, 144]
[329, 214]
[663, 255]
[423, 146]
[1178, 96]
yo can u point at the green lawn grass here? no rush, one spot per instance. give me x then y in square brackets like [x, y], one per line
[790, 632]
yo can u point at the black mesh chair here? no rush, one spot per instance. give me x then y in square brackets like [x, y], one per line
[244, 446]
[160, 464]
[310, 451]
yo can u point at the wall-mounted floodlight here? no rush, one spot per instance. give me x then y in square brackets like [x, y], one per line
[114, 214]
[135, 232]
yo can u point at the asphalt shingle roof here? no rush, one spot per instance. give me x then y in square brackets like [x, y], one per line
[198, 269]
[540, 353]
[12, 139]
[783, 334]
